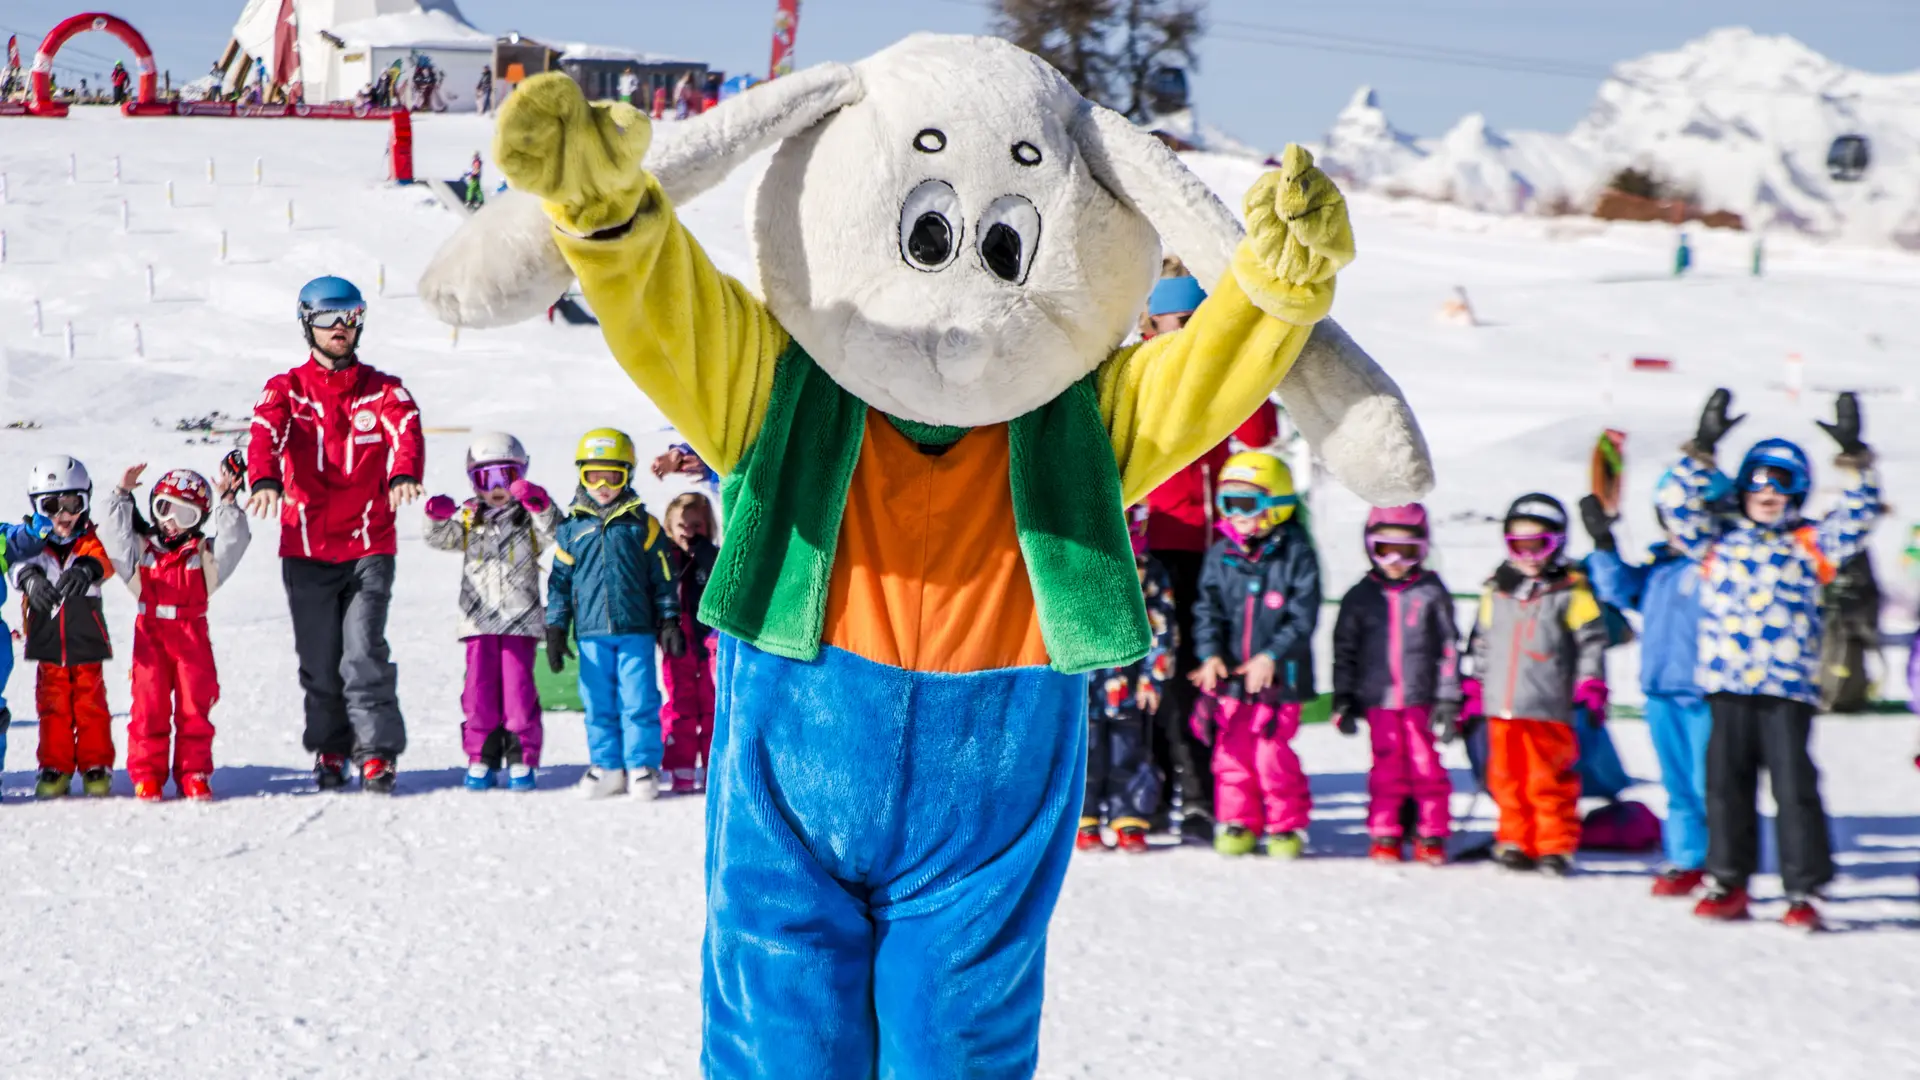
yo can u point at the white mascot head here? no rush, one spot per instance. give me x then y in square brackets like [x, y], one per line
[956, 236]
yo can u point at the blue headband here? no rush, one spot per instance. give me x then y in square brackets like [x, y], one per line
[1175, 296]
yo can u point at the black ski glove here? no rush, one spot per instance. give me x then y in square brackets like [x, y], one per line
[1345, 719]
[1599, 525]
[557, 652]
[1445, 719]
[84, 574]
[1714, 422]
[1845, 429]
[672, 641]
[41, 596]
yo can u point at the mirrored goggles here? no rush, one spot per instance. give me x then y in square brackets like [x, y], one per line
[595, 476]
[182, 515]
[62, 502]
[1785, 481]
[1245, 504]
[1534, 545]
[498, 474]
[351, 318]
[1396, 550]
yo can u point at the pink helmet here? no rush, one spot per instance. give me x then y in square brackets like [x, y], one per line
[1411, 516]
[1390, 550]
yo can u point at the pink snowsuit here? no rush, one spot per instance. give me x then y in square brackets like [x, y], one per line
[1258, 783]
[686, 720]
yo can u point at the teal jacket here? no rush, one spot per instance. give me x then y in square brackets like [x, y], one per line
[19, 543]
[611, 570]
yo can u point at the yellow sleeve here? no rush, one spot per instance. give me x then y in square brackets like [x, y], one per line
[696, 342]
[1169, 400]
[1582, 608]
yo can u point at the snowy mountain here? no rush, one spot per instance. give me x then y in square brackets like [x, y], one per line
[1740, 119]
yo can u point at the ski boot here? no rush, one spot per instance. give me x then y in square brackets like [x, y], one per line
[1430, 850]
[684, 783]
[643, 783]
[196, 787]
[53, 784]
[1131, 839]
[1510, 857]
[1088, 838]
[96, 783]
[1801, 914]
[600, 783]
[1723, 904]
[1234, 840]
[1287, 845]
[1386, 849]
[520, 778]
[330, 771]
[1556, 865]
[150, 790]
[480, 777]
[1676, 882]
[377, 776]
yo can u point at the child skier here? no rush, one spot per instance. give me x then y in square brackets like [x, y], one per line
[501, 533]
[17, 543]
[172, 567]
[1538, 648]
[613, 585]
[1760, 642]
[688, 713]
[1666, 592]
[1121, 778]
[1253, 622]
[65, 631]
[1396, 662]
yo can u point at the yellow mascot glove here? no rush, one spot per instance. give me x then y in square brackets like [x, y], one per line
[1298, 238]
[583, 160]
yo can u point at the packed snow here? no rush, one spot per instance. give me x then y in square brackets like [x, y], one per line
[279, 932]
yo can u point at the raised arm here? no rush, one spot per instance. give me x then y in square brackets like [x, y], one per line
[117, 535]
[231, 538]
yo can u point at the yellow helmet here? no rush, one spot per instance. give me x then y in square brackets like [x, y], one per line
[1270, 475]
[605, 448]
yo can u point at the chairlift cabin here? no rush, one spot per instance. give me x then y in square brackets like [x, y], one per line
[1167, 90]
[1848, 158]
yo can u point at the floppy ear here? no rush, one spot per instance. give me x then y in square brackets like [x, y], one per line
[1144, 174]
[502, 266]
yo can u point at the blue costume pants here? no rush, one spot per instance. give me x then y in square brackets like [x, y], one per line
[6, 673]
[1680, 725]
[622, 698]
[884, 849]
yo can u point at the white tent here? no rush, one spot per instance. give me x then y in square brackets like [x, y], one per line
[344, 42]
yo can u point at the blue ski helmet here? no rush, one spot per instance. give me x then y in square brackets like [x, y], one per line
[329, 294]
[1784, 456]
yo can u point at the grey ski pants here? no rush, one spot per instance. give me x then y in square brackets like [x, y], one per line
[340, 633]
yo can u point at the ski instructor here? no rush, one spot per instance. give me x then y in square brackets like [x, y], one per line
[336, 449]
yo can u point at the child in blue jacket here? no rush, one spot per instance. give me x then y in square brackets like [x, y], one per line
[1665, 590]
[17, 543]
[613, 585]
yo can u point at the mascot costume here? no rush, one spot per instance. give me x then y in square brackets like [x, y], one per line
[928, 431]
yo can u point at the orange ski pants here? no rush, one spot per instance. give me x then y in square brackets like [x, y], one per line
[1532, 774]
[76, 730]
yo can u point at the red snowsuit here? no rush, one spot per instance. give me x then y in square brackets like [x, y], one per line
[333, 442]
[76, 727]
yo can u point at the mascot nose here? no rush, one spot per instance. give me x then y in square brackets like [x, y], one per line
[961, 357]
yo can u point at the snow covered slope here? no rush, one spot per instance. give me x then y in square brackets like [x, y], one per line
[280, 933]
[1742, 119]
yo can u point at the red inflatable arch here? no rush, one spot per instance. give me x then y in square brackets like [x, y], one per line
[146, 91]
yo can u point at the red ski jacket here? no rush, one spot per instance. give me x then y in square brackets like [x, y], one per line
[333, 442]
[1180, 511]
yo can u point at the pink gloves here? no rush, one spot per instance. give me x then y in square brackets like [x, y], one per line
[531, 495]
[1591, 695]
[1471, 699]
[440, 508]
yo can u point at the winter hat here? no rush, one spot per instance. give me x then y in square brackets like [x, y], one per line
[1540, 507]
[1175, 296]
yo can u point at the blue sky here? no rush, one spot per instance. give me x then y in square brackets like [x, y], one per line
[1258, 79]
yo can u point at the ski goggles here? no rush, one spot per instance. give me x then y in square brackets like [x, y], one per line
[498, 474]
[1535, 545]
[1787, 482]
[1396, 551]
[181, 515]
[62, 502]
[351, 318]
[1244, 504]
[598, 476]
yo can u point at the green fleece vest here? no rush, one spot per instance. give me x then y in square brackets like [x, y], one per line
[784, 501]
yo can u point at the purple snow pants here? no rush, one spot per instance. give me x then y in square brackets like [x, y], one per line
[1406, 765]
[500, 692]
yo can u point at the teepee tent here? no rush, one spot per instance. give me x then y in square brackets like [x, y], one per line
[342, 43]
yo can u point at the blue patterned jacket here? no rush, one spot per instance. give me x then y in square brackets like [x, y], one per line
[1760, 630]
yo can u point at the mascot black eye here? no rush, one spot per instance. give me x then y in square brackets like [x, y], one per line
[930, 141]
[930, 226]
[1026, 153]
[1009, 237]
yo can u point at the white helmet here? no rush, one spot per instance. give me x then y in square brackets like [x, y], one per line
[493, 447]
[57, 474]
